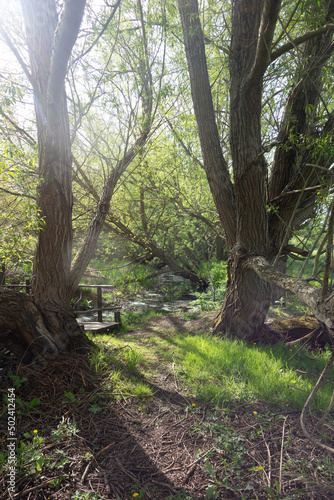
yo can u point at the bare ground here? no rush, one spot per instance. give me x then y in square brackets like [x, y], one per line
[171, 447]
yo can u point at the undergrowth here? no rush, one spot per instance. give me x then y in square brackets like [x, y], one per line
[267, 382]
[218, 371]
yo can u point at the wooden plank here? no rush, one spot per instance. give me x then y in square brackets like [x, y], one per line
[89, 311]
[96, 286]
[98, 327]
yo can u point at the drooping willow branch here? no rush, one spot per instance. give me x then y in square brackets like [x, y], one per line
[308, 403]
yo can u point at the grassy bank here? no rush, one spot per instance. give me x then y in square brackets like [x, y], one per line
[163, 410]
[218, 371]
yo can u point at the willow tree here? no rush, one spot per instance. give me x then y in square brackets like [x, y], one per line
[45, 321]
[263, 190]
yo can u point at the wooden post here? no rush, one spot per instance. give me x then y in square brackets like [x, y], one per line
[2, 275]
[99, 303]
[118, 317]
[28, 285]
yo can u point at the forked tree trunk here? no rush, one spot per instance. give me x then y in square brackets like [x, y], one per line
[243, 206]
[45, 323]
[50, 45]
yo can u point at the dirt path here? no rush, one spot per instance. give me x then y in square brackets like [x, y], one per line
[171, 448]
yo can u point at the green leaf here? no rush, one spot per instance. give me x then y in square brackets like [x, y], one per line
[210, 470]
[211, 492]
[39, 463]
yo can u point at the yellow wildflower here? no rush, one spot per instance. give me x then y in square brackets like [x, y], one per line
[35, 431]
[260, 468]
[254, 412]
[135, 495]
[193, 404]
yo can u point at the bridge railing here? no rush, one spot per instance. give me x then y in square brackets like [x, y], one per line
[99, 298]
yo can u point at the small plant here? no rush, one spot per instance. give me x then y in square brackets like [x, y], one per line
[211, 492]
[59, 460]
[17, 381]
[55, 483]
[138, 493]
[95, 408]
[85, 304]
[98, 400]
[64, 430]
[132, 358]
[30, 456]
[78, 495]
[70, 396]
[273, 493]
[98, 361]
[26, 408]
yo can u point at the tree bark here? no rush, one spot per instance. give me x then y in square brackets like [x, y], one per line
[31, 331]
[243, 204]
[246, 303]
[214, 162]
[50, 44]
[45, 323]
[309, 295]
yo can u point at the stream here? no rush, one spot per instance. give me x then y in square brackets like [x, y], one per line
[159, 299]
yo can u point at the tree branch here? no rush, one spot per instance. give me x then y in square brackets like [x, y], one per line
[215, 164]
[30, 140]
[104, 27]
[301, 39]
[86, 252]
[267, 28]
[65, 37]
[186, 149]
[12, 193]
[21, 62]
[308, 294]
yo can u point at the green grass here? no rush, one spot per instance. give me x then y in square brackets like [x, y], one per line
[218, 371]
[119, 361]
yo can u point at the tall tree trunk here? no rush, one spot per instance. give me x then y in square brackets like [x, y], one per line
[46, 322]
[50, 45]
[214, 162]
[294, 180]
[248, 297]
[243, 205]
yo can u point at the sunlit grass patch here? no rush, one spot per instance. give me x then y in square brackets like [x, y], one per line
[216, 370]
[223, 370]
[119, 362]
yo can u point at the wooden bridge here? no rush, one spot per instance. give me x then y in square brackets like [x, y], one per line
[98, 326]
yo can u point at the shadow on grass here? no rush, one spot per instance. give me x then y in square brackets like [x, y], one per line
[274, 373]
[103, 458]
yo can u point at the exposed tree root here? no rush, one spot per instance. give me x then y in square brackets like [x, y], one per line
[32, 332]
